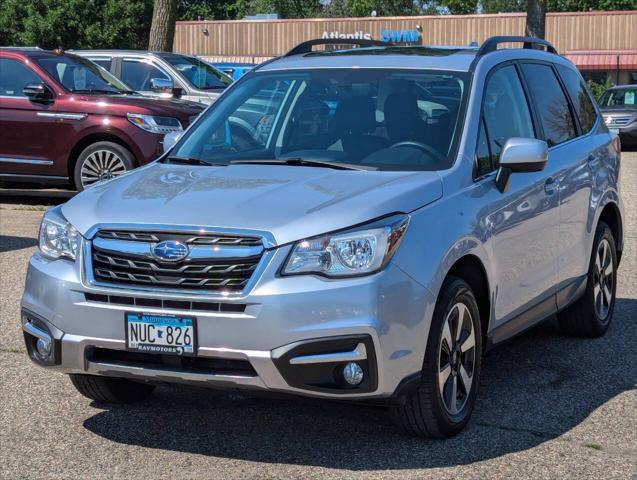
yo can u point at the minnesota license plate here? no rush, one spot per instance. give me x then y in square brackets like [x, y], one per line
[155, 333]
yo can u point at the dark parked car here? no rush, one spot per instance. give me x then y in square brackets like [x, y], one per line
[64, 119]
[619, 107]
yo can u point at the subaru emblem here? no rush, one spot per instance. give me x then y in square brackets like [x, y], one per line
[170, 251]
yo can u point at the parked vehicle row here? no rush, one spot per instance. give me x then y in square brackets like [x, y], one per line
[619, 107]
[356, 224]
[64, 119]
[162, 74]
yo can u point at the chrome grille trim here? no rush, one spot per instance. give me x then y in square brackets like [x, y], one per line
[619, 120]
[185, 237]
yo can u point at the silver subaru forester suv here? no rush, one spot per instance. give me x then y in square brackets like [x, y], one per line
[359, 224]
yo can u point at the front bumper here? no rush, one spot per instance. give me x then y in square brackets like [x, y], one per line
[280, 319]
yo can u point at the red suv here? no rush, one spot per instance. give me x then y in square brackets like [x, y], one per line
[65, 119]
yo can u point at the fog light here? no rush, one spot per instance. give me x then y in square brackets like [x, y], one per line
[353, 373]
[43, 347]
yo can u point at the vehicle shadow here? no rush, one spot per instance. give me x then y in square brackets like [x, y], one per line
[534, 388]
[9, 243]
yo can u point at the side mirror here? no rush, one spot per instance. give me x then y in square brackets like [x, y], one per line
[161, 85]
[37, 91]
[170, 139]
[520, 155]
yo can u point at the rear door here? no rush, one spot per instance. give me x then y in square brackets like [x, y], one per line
[572, 161]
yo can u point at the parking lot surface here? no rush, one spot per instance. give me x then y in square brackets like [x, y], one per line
[549, 406]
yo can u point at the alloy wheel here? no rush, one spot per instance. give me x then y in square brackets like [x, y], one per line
[603, 279]
[101, 165]
[456, 358]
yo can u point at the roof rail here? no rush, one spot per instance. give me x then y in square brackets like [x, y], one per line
[491, 44]
[20, 48]
[306, 47]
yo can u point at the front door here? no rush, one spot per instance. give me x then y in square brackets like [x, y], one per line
[28, 128]
[523, 221]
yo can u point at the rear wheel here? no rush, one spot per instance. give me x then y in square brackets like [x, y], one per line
[110, 389]
[590, 316]
[443, 402]
[101, 161]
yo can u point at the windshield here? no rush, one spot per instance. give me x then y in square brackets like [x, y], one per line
[198, 73]
[384, 119]
[619, 98]
[77, 74]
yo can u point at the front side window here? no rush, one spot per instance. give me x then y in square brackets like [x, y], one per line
[505, 111]
[77, 74]
[104, 62]
[384, 119]
[14, 77]
[551, 103]
[198, 73]
[137, 74]
[584, 108]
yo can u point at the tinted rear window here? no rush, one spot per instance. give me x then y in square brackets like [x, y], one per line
[582, 102]
[551, 104]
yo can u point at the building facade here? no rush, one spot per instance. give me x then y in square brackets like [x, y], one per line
[602, 44]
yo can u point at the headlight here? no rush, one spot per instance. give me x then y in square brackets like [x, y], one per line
[356, 252]
[154, 124]
[58, 238]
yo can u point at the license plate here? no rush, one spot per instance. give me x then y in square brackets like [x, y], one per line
[155, 333]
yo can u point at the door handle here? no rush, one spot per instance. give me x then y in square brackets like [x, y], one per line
[592, 160]
[550, 186]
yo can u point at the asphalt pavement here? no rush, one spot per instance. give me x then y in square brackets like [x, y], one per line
[549, 406]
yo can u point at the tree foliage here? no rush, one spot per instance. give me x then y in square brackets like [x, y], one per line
[75, 23]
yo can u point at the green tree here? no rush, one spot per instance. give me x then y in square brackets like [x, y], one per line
[502, 6]
[75, 23]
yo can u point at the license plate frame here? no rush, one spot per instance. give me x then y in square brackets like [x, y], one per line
[162, 320]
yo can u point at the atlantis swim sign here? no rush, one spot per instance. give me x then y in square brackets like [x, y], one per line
[386, 35]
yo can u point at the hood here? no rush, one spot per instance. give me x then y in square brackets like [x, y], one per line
[167, 107]
[622, 110]
[291, 203]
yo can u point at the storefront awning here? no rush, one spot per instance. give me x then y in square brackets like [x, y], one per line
[603, 59]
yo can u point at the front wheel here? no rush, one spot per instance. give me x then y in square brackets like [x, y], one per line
[590, 316]
[110, 389]
[442, 404]
[101, 161]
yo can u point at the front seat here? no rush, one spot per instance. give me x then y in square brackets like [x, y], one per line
[402, 119]
[354, 123]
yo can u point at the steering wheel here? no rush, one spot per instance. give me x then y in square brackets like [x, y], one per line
[422, 146]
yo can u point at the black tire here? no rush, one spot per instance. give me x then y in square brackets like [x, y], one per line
[583, 318]
[422, 412]
[111, 150]
[110, 389]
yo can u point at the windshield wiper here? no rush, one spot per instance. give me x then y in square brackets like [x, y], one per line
[192, 161]
[303, 162]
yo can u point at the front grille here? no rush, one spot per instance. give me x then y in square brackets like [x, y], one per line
[166, 304]
[113, 263]
[172, 363]
[618, 121]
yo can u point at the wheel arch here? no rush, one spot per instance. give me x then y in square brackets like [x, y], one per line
[471, 269]
[92, 138]
[611, 216]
